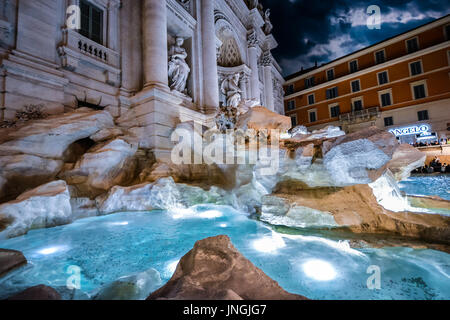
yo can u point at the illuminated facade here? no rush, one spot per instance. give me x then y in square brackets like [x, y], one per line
[150, 63]
[400, 82]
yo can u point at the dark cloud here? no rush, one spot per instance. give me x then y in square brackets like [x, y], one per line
[323, 30]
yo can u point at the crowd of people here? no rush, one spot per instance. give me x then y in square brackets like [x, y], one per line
[434, 143]
[435, 166]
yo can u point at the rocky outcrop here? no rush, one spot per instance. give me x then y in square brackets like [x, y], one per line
[40, 292]
[105, 165]
[405, 159]
[214, 269]
[357, 209]
[10, 260]
[133, 287]
[35, 153]
[260, 118]
[163, 194]
[42, 207]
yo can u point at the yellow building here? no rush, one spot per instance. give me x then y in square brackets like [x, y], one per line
[401, 84]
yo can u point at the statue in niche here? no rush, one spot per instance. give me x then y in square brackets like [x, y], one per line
[178, 68]
[230, 88]
[268, 25]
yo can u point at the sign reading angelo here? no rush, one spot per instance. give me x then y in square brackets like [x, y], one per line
[422, 129]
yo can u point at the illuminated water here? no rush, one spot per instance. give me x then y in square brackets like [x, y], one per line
[108, 247]
[435, 185]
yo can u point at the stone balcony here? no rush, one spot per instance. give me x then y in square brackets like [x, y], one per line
[364, 115]
[75, 47]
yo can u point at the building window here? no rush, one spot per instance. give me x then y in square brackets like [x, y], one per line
[330, 74]
[309, 82]
[412, 45]
[380, 57]
[312, 115]
[357, 104]
[447, 32]
[388, 121]
[291, 105]
[353, 66]
[419, 90]
[383, 78]
[290, 89]
[356, 86]
[294, 121]
[415, 68]
[335, 111]
[311, 99]
[332, 93]
[385, 98]
[91, 22]
[423, 115]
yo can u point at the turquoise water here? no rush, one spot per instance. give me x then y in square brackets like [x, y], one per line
[438, 185]
[108, 247]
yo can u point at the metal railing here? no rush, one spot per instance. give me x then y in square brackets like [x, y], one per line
[360, 115]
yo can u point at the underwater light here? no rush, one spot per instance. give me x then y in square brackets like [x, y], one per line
[51, 250]
[223, 225]
[269, 244]
[319, 270]
[123, 223]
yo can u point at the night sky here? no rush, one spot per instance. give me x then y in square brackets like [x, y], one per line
[323, 30]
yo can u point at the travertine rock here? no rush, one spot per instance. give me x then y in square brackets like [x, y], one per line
[34, 154]
[10, 260]
[43, 207]
[405, 159]
[50, 137]
[133, 287]
[357, 208]
[259, 118]
[40, 292]
[102, 167]
[214, 269]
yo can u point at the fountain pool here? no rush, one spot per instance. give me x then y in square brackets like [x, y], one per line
[431, 185]
[106, 248]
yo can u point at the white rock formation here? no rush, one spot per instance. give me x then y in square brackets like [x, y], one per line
[348, 163]
[49, 138]
[278, 211]
[33, 154]
[162, 194]
[104, 166]
[42, 207]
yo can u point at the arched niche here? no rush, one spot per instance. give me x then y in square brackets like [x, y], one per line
[230, 51]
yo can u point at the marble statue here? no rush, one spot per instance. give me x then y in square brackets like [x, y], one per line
[268, 25]
[178, 68]
[230, 88]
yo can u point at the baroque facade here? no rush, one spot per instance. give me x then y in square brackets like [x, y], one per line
[151, 63]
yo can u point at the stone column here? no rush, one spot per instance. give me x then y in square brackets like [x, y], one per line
[253, 61]
[209, 55]
[266, 62]
[243, 86]
[154, 35]
[113, 25]
[131, 52]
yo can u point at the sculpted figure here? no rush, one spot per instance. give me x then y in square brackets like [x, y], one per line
[178, 68]
[230, 88]
[268, 25]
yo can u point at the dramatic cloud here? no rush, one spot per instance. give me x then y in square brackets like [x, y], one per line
[321, 31]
